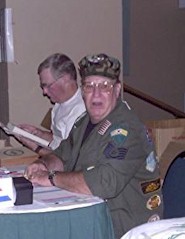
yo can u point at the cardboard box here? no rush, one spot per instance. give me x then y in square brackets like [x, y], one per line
[166, 124]
[162, 137]
[11, 156]
[164, 131]
[169, 140]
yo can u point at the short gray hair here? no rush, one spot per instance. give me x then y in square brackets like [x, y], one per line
[58, 64]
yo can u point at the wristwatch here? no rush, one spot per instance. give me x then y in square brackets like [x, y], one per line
[51, 176]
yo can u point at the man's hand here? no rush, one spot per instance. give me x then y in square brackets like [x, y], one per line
[44, 134]
[40, 178]
[35, 131]
[37, 173]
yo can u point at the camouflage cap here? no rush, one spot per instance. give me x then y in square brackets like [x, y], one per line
[101, 65]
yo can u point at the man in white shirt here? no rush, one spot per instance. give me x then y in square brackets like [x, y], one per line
[58, 80]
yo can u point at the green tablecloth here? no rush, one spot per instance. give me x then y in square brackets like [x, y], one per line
[91, 222]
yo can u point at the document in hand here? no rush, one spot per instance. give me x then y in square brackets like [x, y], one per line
[12, 129]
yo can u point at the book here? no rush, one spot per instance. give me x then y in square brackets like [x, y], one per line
[12, 129]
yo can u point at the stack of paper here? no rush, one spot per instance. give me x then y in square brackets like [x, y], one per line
[54, 197]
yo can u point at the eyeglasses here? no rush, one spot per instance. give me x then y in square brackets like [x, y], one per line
[45, 86]
[48, 86]
[106, 86]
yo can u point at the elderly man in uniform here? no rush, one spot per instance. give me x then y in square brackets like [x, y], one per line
[108, 152]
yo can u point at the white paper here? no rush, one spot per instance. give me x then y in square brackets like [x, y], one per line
[12, 129]
[55, 197]
[47, 199]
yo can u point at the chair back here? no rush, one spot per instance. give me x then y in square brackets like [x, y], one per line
[174, 188]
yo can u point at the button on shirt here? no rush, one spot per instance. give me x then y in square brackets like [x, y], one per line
[63, 117]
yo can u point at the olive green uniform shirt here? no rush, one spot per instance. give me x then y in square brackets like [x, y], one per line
[119, 165]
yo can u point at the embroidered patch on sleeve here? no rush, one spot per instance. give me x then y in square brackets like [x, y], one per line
[149, 134]
[151, 162]
[151, 186]
[118, 135]
[115, 152]
[104, 127]
[153, 202]
[154, 217]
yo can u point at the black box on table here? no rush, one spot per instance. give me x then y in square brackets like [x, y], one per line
[24, 191]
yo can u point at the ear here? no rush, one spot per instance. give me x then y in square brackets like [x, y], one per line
[117, 89]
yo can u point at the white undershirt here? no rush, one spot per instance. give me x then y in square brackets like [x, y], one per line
[63, 117]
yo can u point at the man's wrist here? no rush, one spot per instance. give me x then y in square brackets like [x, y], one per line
[51, 177]
[37, 150]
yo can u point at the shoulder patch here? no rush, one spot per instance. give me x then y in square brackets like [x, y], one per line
[118, 134]
[111, 151]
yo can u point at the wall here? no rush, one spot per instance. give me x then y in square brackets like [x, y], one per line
[157, 55]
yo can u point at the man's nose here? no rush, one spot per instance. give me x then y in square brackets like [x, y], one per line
[96, 90]
[45, 91]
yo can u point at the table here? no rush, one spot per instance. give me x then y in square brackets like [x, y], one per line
[89, 220]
